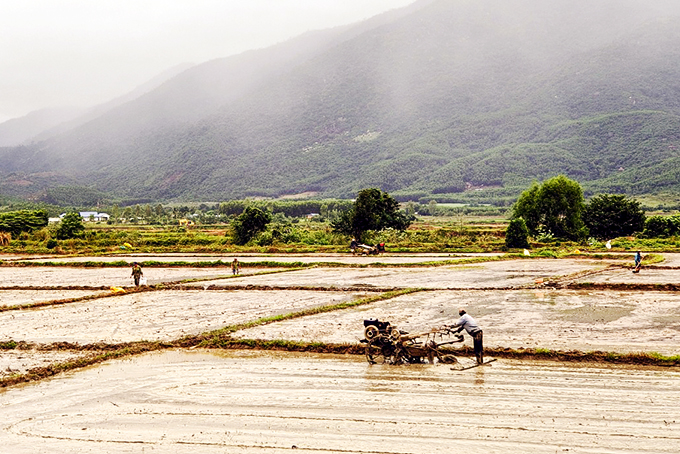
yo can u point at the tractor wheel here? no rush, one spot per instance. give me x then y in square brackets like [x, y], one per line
[371, 332]
[374, 353]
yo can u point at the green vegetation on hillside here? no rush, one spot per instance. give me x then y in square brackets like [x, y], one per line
[450, 101]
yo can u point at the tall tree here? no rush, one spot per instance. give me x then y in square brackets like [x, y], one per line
[71, 226]
[16, 222]
[373, 210]
[613, 215]
[249, 223]
[556, 206]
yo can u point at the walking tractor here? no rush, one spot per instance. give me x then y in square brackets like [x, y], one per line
[386, 344]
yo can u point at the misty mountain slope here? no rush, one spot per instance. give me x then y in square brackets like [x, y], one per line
[455, 108]
[115, 135]
[101, 109]
[18, 130]
[440, 97]
[46, 123]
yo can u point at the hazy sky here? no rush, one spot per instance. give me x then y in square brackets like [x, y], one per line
[83, 52]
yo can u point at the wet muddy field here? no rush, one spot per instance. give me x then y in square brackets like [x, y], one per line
[624, 322]
[251, 402]
[25, 297]
[63, 276]
[194, 401]
[503, 274]
[160, 315]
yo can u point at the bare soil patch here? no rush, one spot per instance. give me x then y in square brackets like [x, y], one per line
[647, 276]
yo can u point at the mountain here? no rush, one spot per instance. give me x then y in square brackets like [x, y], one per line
[44, 123]
[452, 98]
[18, 130]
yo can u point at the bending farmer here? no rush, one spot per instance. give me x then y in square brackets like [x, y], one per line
[470, 325]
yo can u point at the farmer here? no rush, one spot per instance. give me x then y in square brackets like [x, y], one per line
[470, 325]
[136, 272]
[638, 262]
[235, 267]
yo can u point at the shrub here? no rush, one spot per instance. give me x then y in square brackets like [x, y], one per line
[661, 226]
[612, 216]
[516, 235]
[71, 226]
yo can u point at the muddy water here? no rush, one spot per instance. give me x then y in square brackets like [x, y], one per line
[159, 315]
[21, 297]
[40, 276]
[200, 402]
[504, 274]
[626, 276]
[20, 361]
[555, 319]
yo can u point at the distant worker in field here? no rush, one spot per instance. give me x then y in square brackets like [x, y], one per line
[470, 325]
[235, 267]
[136, 272]
[638, 262]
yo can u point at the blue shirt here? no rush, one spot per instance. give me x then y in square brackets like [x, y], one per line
[468, 323]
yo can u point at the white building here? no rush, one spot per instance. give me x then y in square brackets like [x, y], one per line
[91, 216]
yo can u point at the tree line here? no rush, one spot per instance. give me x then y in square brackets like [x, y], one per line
[557, 209]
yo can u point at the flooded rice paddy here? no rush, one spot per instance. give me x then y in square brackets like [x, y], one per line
[503, 274]
[253, 402]
[198, 401]
[160, 315]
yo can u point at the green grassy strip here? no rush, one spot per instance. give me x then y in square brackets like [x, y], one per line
[217, 335]
[640, 358]
[649, 259]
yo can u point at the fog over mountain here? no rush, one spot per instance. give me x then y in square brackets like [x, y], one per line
[45, 123]
[439, 98]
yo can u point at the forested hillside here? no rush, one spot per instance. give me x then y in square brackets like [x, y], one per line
[449, 98]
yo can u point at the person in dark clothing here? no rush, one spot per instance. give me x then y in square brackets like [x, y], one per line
[470, 325]
[638, 262]
[235, 267]
[137, 273]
